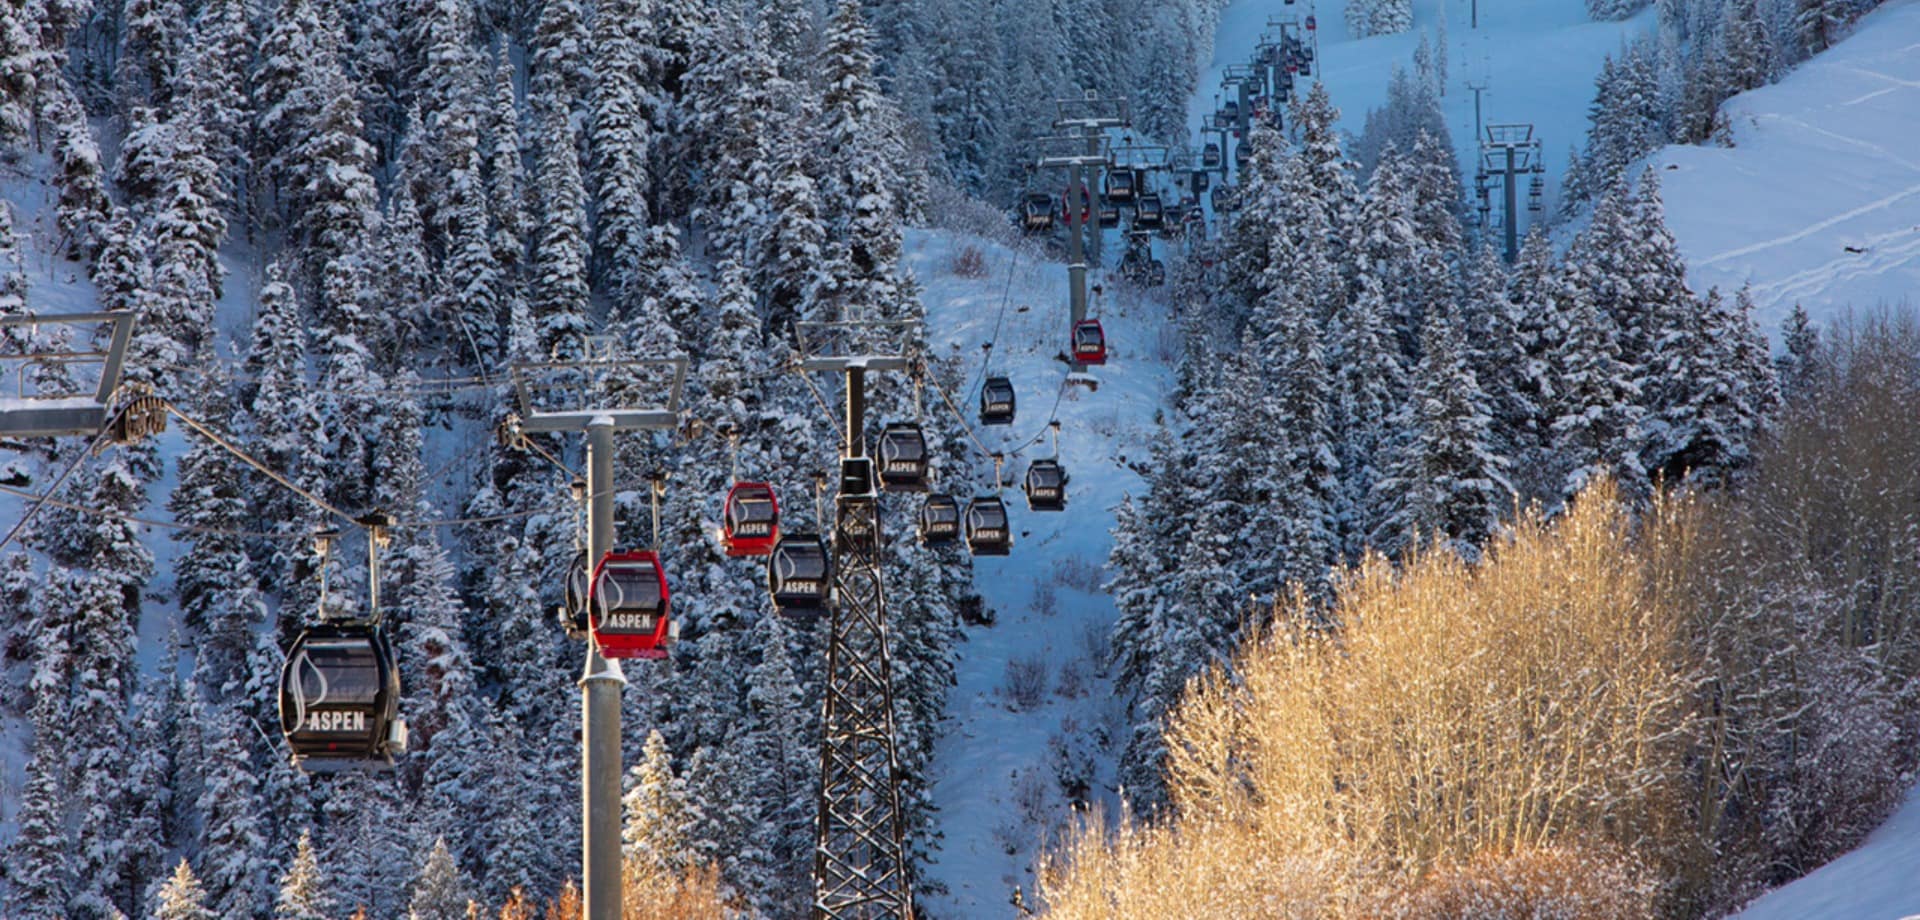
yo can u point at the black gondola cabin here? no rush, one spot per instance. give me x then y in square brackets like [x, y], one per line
[903, 458]
[1046, 486]
[750, 522]
[988, 530]
[1036, 213]
[1209, 159]
[996, 401]
[340, 700]
[629, 605]
[939, 520]
[1148, 213]
[800, 576]
[1089, 342]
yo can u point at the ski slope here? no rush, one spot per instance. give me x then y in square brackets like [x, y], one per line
[1536, 61]
[992, 768]
[1818, 200]
[1874, 882]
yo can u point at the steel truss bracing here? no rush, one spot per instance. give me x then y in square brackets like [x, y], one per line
[860, 857]
[861, 867]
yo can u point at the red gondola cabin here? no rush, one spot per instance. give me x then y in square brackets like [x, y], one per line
[629, 605]
[1089, 342]
[750, 524]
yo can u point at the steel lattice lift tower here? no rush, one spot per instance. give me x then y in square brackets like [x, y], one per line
[861, 868]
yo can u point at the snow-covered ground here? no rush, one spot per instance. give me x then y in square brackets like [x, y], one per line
[1535, 60]
[1875, 882]
[1818, 201]
[993, 762]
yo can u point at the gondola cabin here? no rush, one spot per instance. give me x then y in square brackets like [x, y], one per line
[1148, 213]
[1046, 486]
[1120, 185]
[903, 458]
[1209, 159]
[988, 530]
[996, 401]
[800, 576]
[1201, 178]
[629, 605]
[939, 521]
[1222, 198]
[1109, 214]
[340, 700]
[1156, 273]
[1089, 342]
[1230, 111]
[1036, 213]
[1241, 154]
[1066, 206]
[751, 520]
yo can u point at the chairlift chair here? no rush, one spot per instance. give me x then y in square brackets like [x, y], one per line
[1046, 486]
[903, 458]
[340, 700]
[939, 520]
[988, 530]
[628, 606]
[996, 401]
[800, 576]
[1036, 213]
[750, 522]
[1089, 342]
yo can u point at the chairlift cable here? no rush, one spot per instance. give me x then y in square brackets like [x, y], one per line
[822, 401]
[42, 500]
[221, 442]
[149, 522]
[1006, 296]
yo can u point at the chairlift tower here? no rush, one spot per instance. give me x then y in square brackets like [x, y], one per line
[1082, 147]
[1508, 151]
[584, 396]
[861, 867]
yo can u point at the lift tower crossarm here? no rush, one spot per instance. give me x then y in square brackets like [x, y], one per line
[598, 415]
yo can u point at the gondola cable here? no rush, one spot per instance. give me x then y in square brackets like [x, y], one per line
[33, 509]
[1006, 296]
[220, 441]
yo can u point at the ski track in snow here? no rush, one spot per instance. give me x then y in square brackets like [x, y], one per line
[1821, 161]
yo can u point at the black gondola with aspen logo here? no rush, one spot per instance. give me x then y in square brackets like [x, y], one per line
[340, 699]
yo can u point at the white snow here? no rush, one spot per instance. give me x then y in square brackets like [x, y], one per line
[1536, 59]
[987, 749]
[1818, 201]
[1874, 882]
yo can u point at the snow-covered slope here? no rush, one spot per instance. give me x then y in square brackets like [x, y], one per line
[1874, 882]
[1818, 201]
[994, 765]
[1536, 60]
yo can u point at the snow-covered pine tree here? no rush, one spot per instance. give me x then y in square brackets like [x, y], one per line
[303, 894]
[559, 295]
[655, 805]
[182, 898]
[83, 208]
[1444, 481]
[789, 250]
[859, 190]
[506, 180]
[561, 65]
[1369, 385]
[1378, 17]
[439, 893]
[233, 845]
[1800, 358]
[39, 864]
[1614, 9]
[1595, 412]
[620, 139]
